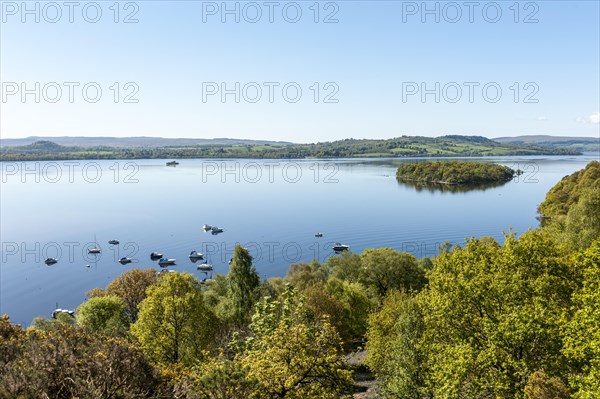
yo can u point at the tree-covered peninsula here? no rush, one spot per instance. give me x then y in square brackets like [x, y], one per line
[455, 173]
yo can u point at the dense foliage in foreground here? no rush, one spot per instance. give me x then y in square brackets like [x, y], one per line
[445, 146]
[455, 172]
[518, 319]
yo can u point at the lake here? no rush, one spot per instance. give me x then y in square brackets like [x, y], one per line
[272, 207]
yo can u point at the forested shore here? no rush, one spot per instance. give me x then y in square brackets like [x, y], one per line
[405, 146]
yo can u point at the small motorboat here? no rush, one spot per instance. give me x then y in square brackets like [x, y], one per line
[205, 267]
[337, 247]
[125, 260]
[172, 163]
[50, 261]
[88, 265]
[114, 242]
[207, 227]
[216, 230]
[95, 249]
[155, 256]
[165, 271]
[60, 311]
[196, 256]
[319, 235]
[206, 280]
[164, 262]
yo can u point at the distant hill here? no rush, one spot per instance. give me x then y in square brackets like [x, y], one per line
[135, 142]
[405, 146]
[582, 144]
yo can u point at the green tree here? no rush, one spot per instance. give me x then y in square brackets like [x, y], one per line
[392, 347]
[103, 314]
[356, 304]
[384, 269]
[570, 210]
[566, 193]
[174, 324]
[345, 267]
[41, 323]
[582, 332]
[582, 223]
[216, 378]
[492, 315]
[291, 355]
[243, 282]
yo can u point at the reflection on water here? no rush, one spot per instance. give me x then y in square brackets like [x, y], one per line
[450, 188]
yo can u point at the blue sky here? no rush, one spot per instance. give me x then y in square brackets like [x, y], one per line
[361, 75]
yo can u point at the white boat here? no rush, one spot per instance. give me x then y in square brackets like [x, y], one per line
[50, 261]
[95, 249]
[205, 267]
[207, 227]
[164, 271]
[163, 262]
[59, 311]
[155, 255]
[125, 260]
[216, 230]
[195, 256]
[337, 247]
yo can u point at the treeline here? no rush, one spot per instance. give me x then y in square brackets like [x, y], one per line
[455, 173]
[517, 319]
[396, 147]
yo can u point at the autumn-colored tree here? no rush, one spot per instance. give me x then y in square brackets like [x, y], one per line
[11, 339]
[66, 362]
[541, 386]
[131, 287]
[304, 275]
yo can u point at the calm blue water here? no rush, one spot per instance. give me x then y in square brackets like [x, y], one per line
[58, 209]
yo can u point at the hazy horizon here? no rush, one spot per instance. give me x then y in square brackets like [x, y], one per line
[295, 142]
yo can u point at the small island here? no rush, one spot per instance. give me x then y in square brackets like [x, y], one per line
[456, 173]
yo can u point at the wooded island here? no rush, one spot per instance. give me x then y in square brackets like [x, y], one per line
[455, 173]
